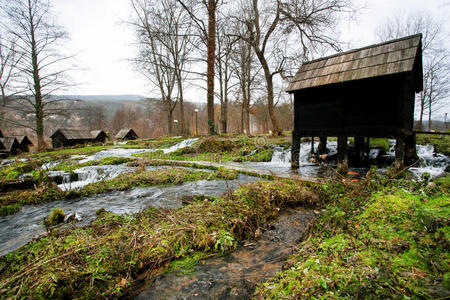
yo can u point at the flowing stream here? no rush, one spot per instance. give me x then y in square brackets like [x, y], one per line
[20, 228]
[430, 162]
[236, 275]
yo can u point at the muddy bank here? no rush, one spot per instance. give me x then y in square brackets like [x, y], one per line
[236, 275]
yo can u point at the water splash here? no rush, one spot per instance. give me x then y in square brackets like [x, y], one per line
[180, 145]
[429, 162]
[91, 174]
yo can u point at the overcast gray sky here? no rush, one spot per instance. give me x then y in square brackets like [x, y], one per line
[103, 43]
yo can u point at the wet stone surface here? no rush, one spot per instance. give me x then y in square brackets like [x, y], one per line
[236, 275]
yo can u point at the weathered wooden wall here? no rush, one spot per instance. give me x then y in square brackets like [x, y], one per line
[377, 107]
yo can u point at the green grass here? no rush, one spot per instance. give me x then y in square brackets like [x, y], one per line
[380, 143]
[220, 149]
[12, 171]
[388, 241]
[103, 259]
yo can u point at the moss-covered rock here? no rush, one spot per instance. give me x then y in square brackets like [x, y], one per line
[55, 217]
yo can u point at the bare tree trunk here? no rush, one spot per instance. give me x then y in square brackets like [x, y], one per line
[170, 121]
[422, 106]
[3, 112]
[37, 87]
[224, 104]
[211, 45]
[242, 117]
[429, 114]
[181, 102]
[269, 84]
[223, 116]
[247, 103]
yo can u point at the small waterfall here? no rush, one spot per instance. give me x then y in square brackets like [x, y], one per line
[51, 164]
[93, 174]
[282, 156]
[429, 162]
[180, 145]
[373, 153]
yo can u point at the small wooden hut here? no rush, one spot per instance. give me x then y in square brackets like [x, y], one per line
[126, 135]
[24, 142]
[362, 93]
[99, 136]
[65, 137]
[11, 145]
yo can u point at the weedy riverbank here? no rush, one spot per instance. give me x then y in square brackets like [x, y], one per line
[46, 190]
[105, 258]
[379, 239]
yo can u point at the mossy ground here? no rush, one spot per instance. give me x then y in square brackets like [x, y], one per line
[379, 239]
[227, 148]
[103, 259]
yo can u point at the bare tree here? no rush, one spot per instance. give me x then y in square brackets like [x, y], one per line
[125, 117]
[9, 59]
[224, 69]
[207, 32]
[163, 32]
[30, 22]
[247, 75]
[436, 58]
[95, 117]
[271, 26]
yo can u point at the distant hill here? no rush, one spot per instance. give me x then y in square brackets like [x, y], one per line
[98, 98]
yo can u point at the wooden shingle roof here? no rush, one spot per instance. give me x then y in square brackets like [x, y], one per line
[123, 133]
[392, 57]
[95, 133]
[10, 143]
[74, 134]
[23, 140]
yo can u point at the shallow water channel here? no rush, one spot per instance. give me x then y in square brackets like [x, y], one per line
[235, 276]
[20, 228]
[429, 162]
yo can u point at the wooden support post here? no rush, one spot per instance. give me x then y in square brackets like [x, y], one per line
[367, 150]
[359, 149]
[410, 149]
[322, 148]
[295, 151]
[342, 166]
[399, 152]
[312, 145]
